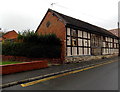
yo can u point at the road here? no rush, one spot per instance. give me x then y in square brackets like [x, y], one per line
[104, 77]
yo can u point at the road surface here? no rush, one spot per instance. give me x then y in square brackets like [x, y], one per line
[104, 77]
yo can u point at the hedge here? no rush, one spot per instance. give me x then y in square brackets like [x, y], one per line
[31, 37]
[47, 46]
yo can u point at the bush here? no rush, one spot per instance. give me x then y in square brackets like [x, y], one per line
[31, 37]
[34, 45]
[29, 50]
[44, 51]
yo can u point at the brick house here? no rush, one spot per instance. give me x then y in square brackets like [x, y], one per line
[114, 31]
[11, 35]
[78, 38]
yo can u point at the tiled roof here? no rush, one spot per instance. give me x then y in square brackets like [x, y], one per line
[114, 31]
[10, 35]
[81, 24]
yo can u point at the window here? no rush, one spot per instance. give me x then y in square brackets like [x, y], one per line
[107, 44]
[114, 45]
[74, 42]
[79, 33]
[74, 50]
[68, 41]
[48, 24]
[68, 51]
[106, 38]
[74, 33]
[84, 34]
[85, 51]
[85, 42]
[103, 38]
[103, 44]
[88, 35]
[68, 31]
[89, 51]
[79, 42]
[89, 43]
[117, 45]
[80, 51]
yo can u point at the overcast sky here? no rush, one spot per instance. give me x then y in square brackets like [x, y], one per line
[20, 15]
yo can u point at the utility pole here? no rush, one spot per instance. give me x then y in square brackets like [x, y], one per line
[119, 38]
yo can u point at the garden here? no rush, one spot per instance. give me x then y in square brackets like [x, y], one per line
[29, 46]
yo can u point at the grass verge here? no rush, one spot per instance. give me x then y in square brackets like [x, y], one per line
[9, 62]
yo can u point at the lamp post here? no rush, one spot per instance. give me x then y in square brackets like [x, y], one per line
[119, 38]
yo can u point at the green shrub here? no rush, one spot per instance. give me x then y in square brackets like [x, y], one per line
[34, 45]
[31, 37]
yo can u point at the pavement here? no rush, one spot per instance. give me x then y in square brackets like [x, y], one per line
[52, 69]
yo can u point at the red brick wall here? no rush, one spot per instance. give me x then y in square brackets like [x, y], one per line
[25, 59]
[14, 68]
[18, 58]
[56, 26]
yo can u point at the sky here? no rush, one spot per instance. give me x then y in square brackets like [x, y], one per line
[21, 15]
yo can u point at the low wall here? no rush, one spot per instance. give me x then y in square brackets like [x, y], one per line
[76, 59]
[13, 68]
[25, 59]
[18, 58]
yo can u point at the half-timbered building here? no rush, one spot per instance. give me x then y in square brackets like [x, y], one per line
[78, 38]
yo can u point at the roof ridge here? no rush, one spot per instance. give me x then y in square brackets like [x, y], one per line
[70, 20]
[9, 32]
[75, 18]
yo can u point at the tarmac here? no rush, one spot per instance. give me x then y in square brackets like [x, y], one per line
[27, 76]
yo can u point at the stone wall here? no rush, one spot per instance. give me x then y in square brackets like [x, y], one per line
[76, 59]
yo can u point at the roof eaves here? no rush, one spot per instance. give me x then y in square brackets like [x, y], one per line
[58, 15]
[92, 31]
[42, 20]
[50, 10]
